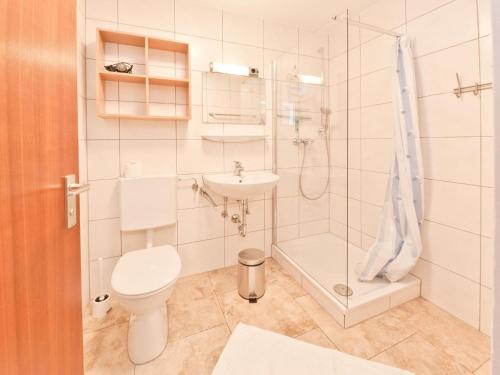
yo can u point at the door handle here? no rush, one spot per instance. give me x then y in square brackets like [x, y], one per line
[75, 189]
[72, 189]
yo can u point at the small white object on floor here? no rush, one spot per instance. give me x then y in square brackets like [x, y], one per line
[251, 350]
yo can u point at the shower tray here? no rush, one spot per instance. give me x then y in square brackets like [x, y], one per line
[367, 299]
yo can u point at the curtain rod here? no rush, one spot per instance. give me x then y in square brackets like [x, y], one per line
[377, 29]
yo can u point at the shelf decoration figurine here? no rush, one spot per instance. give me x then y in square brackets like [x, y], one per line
[121, 67]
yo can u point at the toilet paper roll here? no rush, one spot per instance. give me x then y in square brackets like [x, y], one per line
[101, 305]
[133, 169]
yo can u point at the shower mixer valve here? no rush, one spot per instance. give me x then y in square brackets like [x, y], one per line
[305, 141]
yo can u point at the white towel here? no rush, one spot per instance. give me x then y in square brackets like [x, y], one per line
[254, 351]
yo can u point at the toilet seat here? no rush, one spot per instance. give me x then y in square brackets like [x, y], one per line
[143, 272]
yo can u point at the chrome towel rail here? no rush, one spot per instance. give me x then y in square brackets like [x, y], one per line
[472, 88]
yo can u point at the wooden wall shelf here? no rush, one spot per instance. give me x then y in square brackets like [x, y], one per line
[165, 67]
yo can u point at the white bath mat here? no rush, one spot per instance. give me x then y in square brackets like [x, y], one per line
[251, 350]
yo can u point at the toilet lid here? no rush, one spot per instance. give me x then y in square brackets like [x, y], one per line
[145, 271]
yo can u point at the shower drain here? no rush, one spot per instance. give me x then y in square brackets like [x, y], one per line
[343, 290]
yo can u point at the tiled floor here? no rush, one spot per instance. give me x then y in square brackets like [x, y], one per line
[205, 308]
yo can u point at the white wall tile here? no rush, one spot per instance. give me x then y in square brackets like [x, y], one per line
[158, 157]
[288, 182]
[373, 187]
[484, 13]
[449, 25]
[487, 302]
[451, 248]
[314, 227]
[202, 256]
[103, 159]
[104, 238]
[197, 224]
[375, 54]
[453, 204]
[354, 214]
[370, 218]
[436, 72]
[194, 19]
[154, 14]
[387, 14]
[250, 154]
[288, 211]
[203, 51]
[105, 10]
[234, 244]
[452, 159]
[314, 44]
[287, 233]
[417, 8]
[107, 265]
[103, 199]
[377, 121]
[487, 162]
[449, 291]
[487, 123]
[448, 116]
[376, 155]
[136, 129]
[486, 56]
[314, 210]
[237, 54]
[195, 128]
[90, 37]
[487, 212]
[243, 29]
[136, 240]
[199, 157]
[487, 261]
[281, 37]
[376, 88]
[339, 208]
[100, 128]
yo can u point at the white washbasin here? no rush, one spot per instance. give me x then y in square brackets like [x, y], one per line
[239, 188]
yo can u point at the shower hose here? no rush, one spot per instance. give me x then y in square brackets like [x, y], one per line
[318, 196]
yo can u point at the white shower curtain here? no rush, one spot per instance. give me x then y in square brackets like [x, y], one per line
[398, 245]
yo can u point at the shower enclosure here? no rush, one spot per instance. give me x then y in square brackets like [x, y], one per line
[332, 147]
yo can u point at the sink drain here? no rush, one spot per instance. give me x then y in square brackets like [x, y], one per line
[343, 290]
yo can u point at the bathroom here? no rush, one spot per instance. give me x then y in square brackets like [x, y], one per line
[233, 186]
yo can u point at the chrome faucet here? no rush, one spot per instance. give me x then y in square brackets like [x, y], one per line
[238, 168]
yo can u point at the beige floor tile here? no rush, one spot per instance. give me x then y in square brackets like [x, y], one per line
[365, 339]
[224, 280]
[116, 315]
[187, 318]
[422, 357]
[485, 369]
[190, 288]
[317, 337]
[275, 311]
[207, 347]
[465, 344]
[275, 274]
[105, 351]
[193, 355]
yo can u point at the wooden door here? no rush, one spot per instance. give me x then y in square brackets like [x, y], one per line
[40, 304]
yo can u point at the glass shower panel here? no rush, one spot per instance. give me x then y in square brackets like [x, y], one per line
[369, 144]
[311, 151]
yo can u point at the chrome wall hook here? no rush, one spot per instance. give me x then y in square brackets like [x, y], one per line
[458, 91]
[476, 89]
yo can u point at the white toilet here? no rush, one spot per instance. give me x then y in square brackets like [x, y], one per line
[143, 280]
